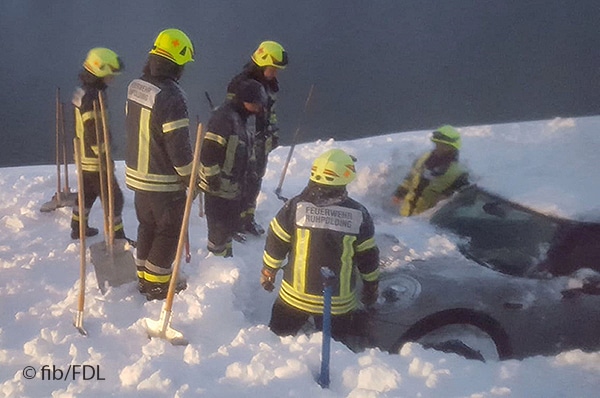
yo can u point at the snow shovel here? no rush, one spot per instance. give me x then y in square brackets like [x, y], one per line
[113, 262]
[162, 327]
[64, 197]
[328, 278]
[78, 323]
[289, 157]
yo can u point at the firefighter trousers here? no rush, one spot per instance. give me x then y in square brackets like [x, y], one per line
[160, 215]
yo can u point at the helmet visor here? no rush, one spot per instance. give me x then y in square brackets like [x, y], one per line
[280, 63]
[116, 69]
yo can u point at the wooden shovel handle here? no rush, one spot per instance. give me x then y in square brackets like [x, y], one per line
[185, 222]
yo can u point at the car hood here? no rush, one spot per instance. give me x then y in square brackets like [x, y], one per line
[440, 283]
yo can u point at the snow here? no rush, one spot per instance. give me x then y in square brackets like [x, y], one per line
[551, 165]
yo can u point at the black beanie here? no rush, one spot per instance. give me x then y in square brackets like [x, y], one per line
[252, 91]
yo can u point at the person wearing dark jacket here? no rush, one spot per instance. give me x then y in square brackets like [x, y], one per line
[159, 159]
[434, 176]
[266, 61]
[226, 161]
[99, 68]
[321, 227]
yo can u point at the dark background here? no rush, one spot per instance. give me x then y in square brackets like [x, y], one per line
[377, 66]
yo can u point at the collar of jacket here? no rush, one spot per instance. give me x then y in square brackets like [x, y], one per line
[89, 80]
[322, 195]
[255, 72]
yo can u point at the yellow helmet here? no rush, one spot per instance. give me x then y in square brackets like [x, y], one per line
[102, 62]
[174, 45]
[335, 167]
[270, 53]
[447, 135]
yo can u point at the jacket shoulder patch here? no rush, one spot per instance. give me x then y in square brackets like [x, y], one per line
[142, 92]
[336, 218]
[78, 97]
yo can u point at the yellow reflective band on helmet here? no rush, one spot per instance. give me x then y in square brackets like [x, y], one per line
[270, 53]
[174, 45]
[177, 124]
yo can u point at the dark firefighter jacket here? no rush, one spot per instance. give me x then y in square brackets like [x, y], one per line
[159, 154]
[85, 120]
[266, 129]
[321, 228]
[431, 179]
[227, 154]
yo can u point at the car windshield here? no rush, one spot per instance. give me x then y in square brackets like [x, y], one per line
[501, 235]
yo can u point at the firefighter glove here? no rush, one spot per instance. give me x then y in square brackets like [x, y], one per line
[267, 278]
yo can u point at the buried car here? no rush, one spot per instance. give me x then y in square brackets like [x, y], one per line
[526, 284]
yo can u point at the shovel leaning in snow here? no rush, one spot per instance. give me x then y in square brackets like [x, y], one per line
[162, 327]
[63, 197]
[113, 262]
[78, 323]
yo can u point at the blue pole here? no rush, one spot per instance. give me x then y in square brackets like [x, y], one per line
[328, 278]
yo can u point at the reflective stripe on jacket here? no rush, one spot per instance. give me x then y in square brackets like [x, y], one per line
[159, 154]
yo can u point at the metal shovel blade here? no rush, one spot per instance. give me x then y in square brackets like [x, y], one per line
[113, 269]
[162, 329]
[78, 323]
[61, 199]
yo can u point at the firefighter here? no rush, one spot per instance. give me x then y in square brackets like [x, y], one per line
[268, 59]
[321, 227]
[99, 69]
[159, 159]
[434, 176]
[226, 162]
